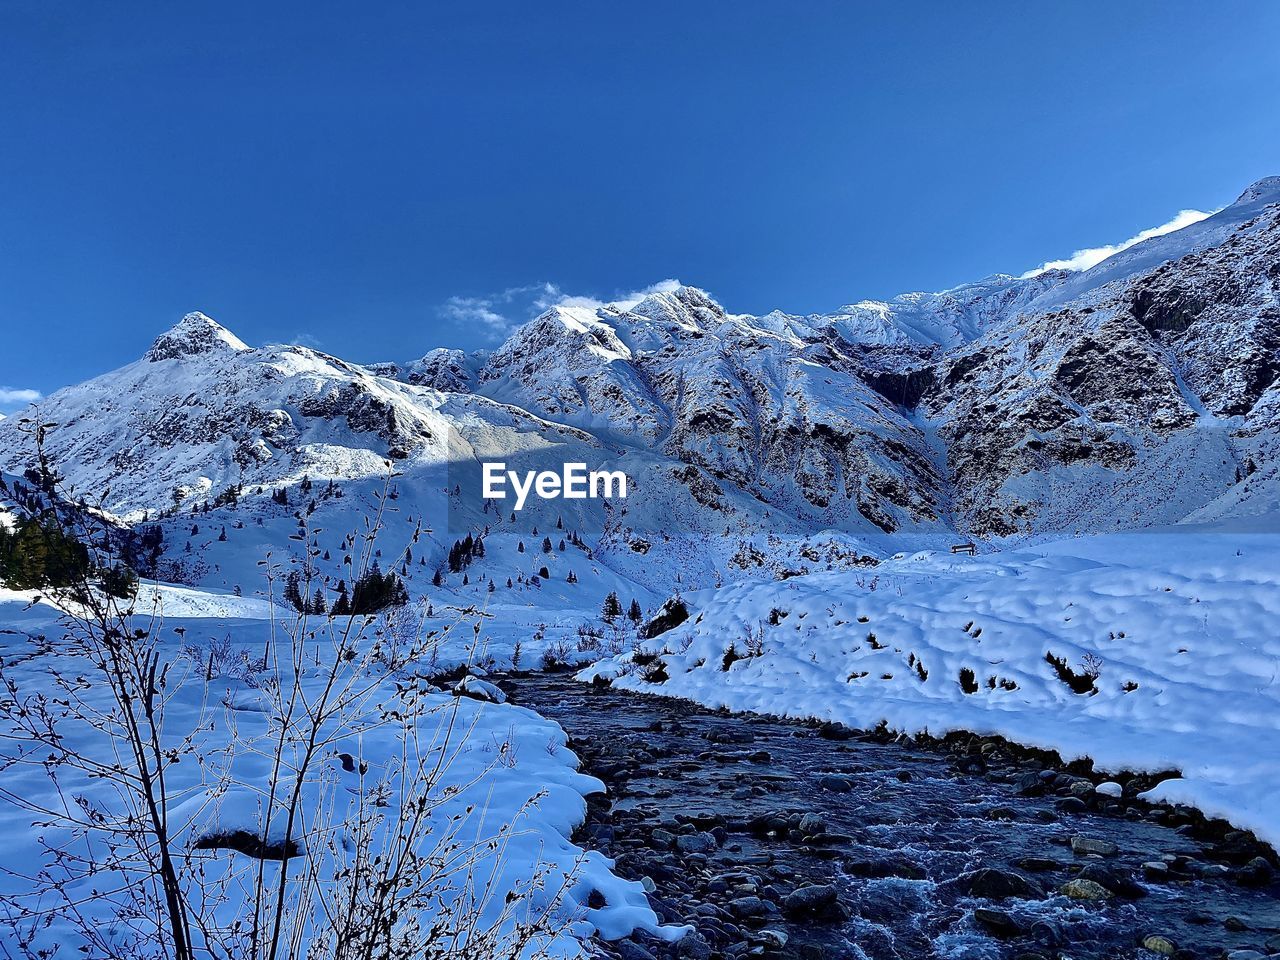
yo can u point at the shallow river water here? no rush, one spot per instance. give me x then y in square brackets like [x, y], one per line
[915, 851]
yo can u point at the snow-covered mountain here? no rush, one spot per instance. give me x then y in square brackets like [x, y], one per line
[1142, 391]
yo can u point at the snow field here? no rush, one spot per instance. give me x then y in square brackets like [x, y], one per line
[1179, 628]
[508, 798]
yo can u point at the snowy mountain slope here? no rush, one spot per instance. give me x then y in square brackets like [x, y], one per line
[226, 450]
[453, 371]
[964, 313]
[756, 406]
[1132, 404]
[1149, 254]
[1147, 398]
[945, 318]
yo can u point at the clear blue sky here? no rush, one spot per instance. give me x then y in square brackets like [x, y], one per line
[335, 173]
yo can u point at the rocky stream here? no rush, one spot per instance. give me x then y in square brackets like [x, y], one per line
[782, 839]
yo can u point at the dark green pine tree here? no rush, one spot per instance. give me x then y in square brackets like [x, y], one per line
[342, 606]
[293, 591]
[612, 608]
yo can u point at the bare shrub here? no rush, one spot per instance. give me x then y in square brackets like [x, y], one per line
[318, 811]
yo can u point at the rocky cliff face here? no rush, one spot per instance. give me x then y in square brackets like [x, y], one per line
[785, 417]
[1069, 415]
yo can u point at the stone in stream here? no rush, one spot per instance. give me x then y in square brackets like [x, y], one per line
[1081, 789]
[819, 902]
[998, 923]
[811, 824]
[1156, 870]
[663, 838]
[836, 784]
[629, 950]
[693, 946]
[1030, 784]
[1256, 873]
[1159, 944]
[835, 731]
[890, 865]
[1084, 846]
[696, 843]
[1115, 879]
[1085, 890]
[1046, 934]
[746, 908]
[772, 939]
[995, 884]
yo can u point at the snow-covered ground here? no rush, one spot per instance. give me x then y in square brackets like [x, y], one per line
[1180, 628]
[509, 789]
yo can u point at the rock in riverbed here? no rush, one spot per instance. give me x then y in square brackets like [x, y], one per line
[998, 884]
[1084, 846]
[1085, 890]
[819, 902]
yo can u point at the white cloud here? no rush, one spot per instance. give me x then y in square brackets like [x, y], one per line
[14, 398]
[1091, 256]
[629, 300]
[498, 314]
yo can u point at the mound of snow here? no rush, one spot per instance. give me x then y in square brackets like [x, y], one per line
[1176, 630]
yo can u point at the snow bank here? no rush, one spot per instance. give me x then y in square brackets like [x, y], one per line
[1179, 628]
[510, 789]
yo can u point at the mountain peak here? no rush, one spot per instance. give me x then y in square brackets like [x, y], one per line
[688, 306]
[193, 335]
[1267, 190]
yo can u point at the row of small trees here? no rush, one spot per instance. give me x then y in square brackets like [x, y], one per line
[612, 609]
[372, 592]
[464, 551]
[37, 553]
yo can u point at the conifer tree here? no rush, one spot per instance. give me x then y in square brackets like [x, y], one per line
[612, 608]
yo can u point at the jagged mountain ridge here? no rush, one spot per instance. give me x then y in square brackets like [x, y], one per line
[1145, 396]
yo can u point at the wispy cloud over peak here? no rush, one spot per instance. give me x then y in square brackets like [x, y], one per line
[498, 314]
[14, 398]
[1091, 256]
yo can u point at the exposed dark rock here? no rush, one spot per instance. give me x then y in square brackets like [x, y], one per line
[251, 845]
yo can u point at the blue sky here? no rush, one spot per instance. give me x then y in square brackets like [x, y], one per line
[376, 183]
